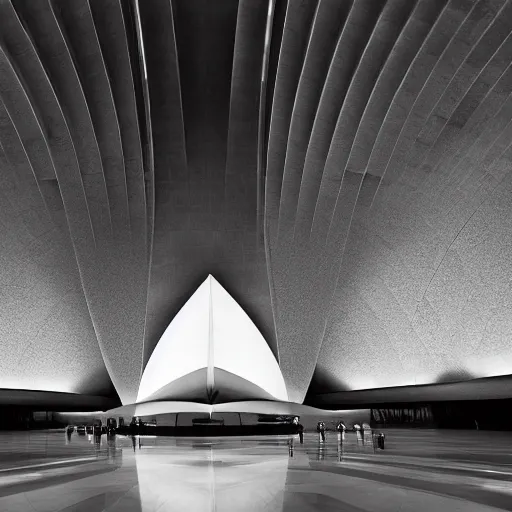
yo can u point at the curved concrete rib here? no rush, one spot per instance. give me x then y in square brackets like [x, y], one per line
[31, 131]
[294, 42]
[475, 127]
[325, 32]
[54, 52]
[417, 74]
[108, 268]
[463, 116]
[467, 35]
[112, 35]
[300, 322]
[44, 134]
[22, 181]
[135, 40]
[451, 244]
[472, 166]
[482, 68]
[169, 150]
[407, 44]
[483, 173]
[410, 45]
[49, 122]
[241, 174]
[111, 31]
[323, 281]
[386, 31]
[336, 206]
[165, 90]
[355, 33]
[412, 40]
[78, 27]
[194, 230]
[26, 140]
[488, 49]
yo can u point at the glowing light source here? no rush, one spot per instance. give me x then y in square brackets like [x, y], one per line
[212, 331]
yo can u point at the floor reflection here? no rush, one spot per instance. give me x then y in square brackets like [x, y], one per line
[56, 472]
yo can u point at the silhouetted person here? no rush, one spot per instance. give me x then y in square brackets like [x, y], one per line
[359, 433]
[96, 432]
[300, 430]
[134, 442]
[340, 427]
[320, 428]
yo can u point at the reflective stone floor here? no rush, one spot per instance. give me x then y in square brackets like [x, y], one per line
[419, 470]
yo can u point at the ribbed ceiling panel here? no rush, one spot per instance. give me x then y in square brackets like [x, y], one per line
[147, 144]
[48, 340]
[422, 272]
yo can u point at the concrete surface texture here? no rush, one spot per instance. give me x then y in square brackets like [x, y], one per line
[361, 215]
[417, 471]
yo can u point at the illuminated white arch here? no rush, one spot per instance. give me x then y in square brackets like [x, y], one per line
[211, 338]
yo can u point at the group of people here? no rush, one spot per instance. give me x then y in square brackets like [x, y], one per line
[360, 430]
[320, 428]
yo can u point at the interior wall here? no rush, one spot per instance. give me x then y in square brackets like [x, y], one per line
[467, 414]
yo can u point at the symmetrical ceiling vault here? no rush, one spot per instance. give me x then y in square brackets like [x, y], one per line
[342, 167]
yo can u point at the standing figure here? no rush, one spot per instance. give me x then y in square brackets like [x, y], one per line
[320, 428]
[300, 429]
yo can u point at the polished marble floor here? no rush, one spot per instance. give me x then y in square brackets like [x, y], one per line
[419, 470]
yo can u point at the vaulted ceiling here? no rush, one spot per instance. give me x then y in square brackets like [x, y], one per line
[341, 167]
